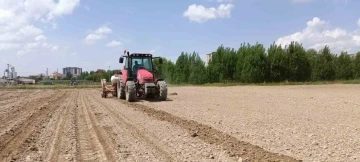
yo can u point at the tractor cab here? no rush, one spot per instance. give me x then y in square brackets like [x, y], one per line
[139, 61]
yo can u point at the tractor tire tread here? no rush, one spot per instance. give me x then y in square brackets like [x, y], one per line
[121, 89]
[162, 90]
[131, 91]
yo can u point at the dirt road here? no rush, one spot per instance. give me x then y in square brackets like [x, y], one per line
[244, 123]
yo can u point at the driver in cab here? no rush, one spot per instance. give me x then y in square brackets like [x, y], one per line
[135, 68]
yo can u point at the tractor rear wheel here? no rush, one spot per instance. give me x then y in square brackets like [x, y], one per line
[162, 86]
[120, 89]
[130, 91]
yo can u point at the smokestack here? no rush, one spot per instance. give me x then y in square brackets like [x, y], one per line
[9, 72]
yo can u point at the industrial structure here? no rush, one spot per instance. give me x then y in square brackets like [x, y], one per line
[74, 71]
[10, 77]
[10, 72]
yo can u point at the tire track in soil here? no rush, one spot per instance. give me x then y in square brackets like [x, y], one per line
[75, 117]
[121, 121]
[12, 142]
[92, 146]
[61, 139]
[234, 147]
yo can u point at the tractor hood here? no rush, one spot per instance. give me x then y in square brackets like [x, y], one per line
[144, 76]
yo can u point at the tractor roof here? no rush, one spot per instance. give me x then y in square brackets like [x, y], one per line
[141, 55]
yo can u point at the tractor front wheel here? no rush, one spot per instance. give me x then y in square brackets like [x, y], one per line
[130, 91]
[162, 87]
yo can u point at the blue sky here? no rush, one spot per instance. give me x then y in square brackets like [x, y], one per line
[92, 34]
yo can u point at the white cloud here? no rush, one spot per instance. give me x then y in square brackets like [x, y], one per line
[152, 51]
[200, 14]
[98, 34]
[318, 33]
[40, 38]
[358, 22]
[113, 43]
[17, 19]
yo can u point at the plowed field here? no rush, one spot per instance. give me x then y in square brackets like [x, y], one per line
[247, 123]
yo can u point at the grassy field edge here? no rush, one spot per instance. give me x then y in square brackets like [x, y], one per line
[355, 81]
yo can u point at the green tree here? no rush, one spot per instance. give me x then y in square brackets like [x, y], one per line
[277, 63]
[324, 65]
[344, 69]
[254, 67]
[68, 76]
[197, 74]
[241, 54]
[298, 64]
[312, 55]
[356, 66]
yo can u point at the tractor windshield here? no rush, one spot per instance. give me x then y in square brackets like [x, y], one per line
[144, 62]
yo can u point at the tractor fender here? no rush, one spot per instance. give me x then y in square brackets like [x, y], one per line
[158, 80]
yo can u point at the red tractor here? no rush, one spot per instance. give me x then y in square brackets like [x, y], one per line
[137, 79]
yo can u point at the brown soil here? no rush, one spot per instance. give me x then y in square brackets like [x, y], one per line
[195, 125]
[307, 122]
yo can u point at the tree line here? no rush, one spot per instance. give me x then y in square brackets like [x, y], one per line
[256, 64]
[253, 64]
[96, 76]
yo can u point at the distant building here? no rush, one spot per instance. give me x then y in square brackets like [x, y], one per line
[26, 81]
[56, 75]
[352, 56]
[75, 71]
[208, 57]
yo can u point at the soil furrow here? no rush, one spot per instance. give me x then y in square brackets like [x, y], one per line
[167, 137]
[128, 146]
[58, 143]
[122, 121]
[11, 116]
[39, 142]
[75, 121]
[106, 145]
[12, 141]
[18, 97]
[235, 148]
[92, 143]
[311, 123]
